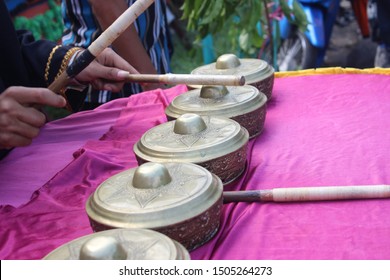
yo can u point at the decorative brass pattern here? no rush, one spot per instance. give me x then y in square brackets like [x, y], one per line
[253, 121]
[117, 203]
[138, 244]
[135, 250]
[265, 86]
[246, 105]
[164, 135]
[229, 167]
[248, 67]
[254, 70]
[197, 231]
[192, 232]
[122, 194]
[235, 101]
[227, 99]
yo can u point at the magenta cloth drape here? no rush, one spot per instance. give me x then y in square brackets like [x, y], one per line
[320, 130]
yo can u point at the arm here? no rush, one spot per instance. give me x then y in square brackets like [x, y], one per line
[20, 117]
[41, 56]
[128, 45]
[25, 63]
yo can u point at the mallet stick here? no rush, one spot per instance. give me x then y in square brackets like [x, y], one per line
[188, 79]
[302, 194]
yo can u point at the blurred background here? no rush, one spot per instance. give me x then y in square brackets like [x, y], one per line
[200, 40]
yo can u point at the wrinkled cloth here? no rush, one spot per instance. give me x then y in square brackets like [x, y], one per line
[321, 130]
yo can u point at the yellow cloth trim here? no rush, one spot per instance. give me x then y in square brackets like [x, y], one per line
[332, 71]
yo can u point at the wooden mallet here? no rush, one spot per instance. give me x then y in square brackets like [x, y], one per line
[303, 194]
[188, 79]
[102, 42]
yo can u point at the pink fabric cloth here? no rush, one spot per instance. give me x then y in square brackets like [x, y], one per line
[26, 169]
[320, 130]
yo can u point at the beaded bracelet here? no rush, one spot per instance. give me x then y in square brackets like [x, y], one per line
[66, 59]
[47, 68]
[64, 64]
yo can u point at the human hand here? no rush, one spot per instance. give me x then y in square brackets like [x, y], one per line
[106, 72]
[20, 121]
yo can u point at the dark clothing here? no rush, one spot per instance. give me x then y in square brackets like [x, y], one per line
[23, 60]
[383, 10]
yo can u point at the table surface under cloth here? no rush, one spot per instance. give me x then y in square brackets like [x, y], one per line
[329, 127]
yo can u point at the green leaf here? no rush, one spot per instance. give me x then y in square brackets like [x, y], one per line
[213, 12]
[300, 15]
[244, 40]
[257, 40]
[287, 11]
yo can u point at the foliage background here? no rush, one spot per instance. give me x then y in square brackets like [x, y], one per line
[243, 24]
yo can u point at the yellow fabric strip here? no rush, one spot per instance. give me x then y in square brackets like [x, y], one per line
[332, 71]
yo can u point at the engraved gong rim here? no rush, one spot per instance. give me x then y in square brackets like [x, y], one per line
[235, 102]
[117, 203]
[136, 244]
[162, 144]
[254, 70]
